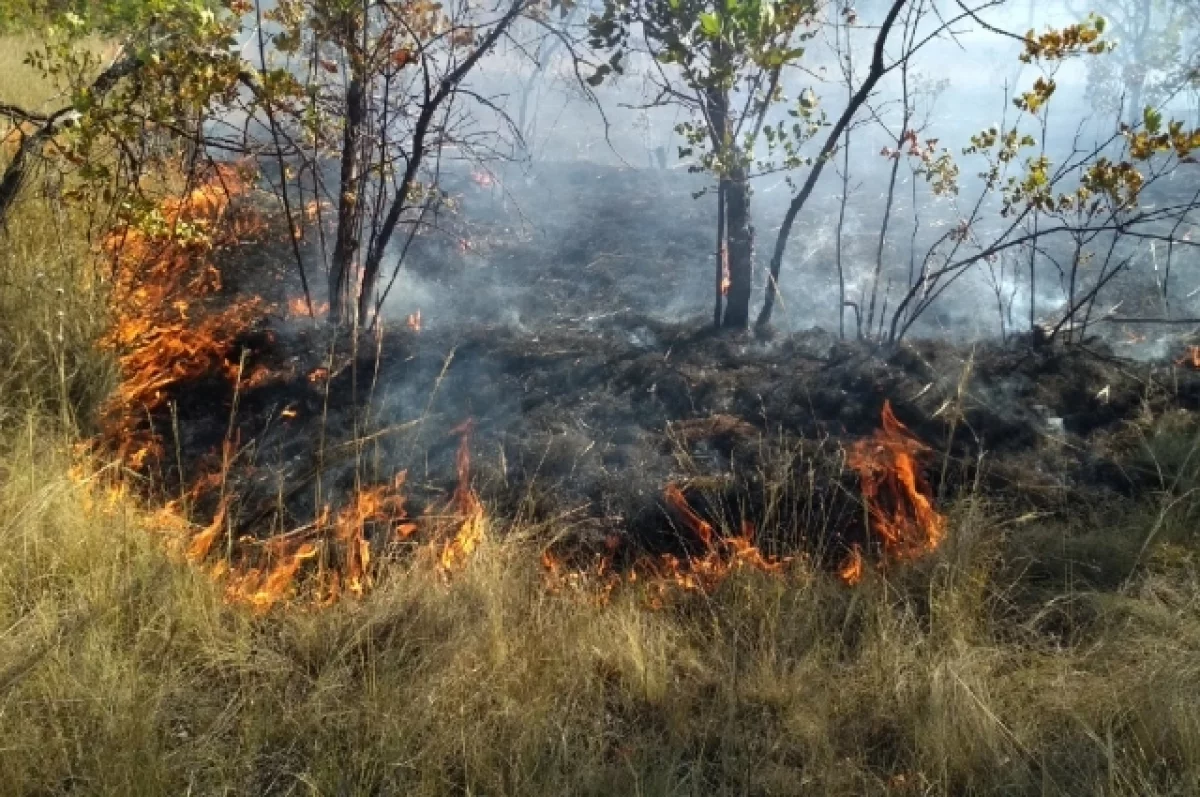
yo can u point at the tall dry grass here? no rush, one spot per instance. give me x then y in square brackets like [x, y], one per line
[51, 294]
[122, 672]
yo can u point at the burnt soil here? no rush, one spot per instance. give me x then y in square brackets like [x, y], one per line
[580, 344]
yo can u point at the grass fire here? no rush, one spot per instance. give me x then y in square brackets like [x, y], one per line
[608, 398]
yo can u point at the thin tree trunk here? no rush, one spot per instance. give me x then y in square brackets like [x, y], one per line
[446, 88]
[785, 230]
[740, 234]
[839, 242]
[346, 244]
[883, 229]
[1033, 278]
[722, 258]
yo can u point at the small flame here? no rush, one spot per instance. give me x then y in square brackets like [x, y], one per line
[384, 505]
[899, 502]
[721, 555]
[851, 571]
[297, 307]
[700, 527]
[1191, 359]
[414, 321]
[464, 504]
[203, 541]
[260, 589]
[702, 572]
[726, 279]
[313, 209]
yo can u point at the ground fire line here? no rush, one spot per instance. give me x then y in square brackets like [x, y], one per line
[171, 325]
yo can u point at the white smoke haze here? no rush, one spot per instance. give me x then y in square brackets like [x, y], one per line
[543, 190]
[964, 84]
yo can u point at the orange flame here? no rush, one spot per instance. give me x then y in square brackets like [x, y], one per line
[1191, 359]
[203, 541]
[851, 571]
[160, 336]
[383, 504]
[297, 307]
[703, 572]
[699, 526]
[899, 502]
[726, 279]
[466, 505]
[263, 589]
[414, 321]
[720, 557]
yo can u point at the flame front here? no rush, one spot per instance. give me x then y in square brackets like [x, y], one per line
[702, 572]
[899, 502]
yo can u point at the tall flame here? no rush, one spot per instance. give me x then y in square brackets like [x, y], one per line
[899, 501]
[383, 505]
[161, 270]
[466, 506]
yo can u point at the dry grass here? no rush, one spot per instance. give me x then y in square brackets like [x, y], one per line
[51, 313]
[123, 673]
[22, 84]
[51, 295]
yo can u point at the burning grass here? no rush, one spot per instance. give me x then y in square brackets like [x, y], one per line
[124, 672]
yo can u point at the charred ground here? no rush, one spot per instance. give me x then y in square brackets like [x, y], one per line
[588, 397]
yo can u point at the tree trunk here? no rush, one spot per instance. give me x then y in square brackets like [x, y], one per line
[740, 234]
[346, 245]
[722, 256]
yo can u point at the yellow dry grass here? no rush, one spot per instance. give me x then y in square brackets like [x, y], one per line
[122, 672]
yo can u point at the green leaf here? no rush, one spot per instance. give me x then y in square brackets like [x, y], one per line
[710, 24]
[1153, 120]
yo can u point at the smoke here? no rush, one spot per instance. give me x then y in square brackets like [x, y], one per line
[583, 159]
